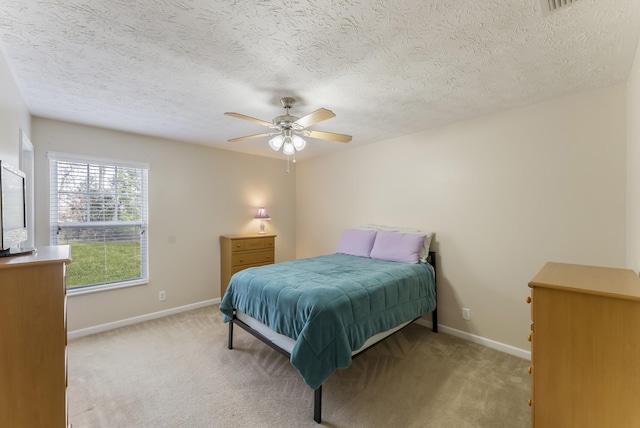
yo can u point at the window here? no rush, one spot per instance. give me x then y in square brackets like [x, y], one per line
[99, 208]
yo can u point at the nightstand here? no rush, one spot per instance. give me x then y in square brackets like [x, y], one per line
[238, 252]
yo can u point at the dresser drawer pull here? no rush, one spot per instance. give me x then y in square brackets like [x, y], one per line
[241, 260]
[530, 369]
[530, 402]
[529, 338]
[528, 299]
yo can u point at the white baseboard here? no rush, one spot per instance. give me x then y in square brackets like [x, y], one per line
[512, 350]
[122, 323]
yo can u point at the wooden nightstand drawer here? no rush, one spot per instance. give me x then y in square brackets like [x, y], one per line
[250, 258]
[237, 269]
[252, 244]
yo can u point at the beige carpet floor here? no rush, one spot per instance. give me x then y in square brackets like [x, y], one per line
[177, 372]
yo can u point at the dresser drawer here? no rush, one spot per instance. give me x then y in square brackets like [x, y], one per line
[237, 269]
[251, 258]
[252, 244]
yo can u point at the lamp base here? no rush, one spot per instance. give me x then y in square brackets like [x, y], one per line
[262, 232]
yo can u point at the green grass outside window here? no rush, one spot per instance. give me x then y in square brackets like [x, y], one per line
[102, 263]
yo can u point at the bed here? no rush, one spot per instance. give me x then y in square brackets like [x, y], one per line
[321, 312]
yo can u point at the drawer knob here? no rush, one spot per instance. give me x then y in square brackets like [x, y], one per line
[529, 338]
[530, 369]
[528, 299]
[241, 260]
[268, 256]
[530, 402]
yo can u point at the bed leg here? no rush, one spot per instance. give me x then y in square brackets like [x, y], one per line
[317, 405]
[230, 343]
[434, 313]
[434, 320]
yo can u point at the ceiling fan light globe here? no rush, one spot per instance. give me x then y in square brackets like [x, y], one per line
[288, 149]
[276, 142]
[298, 142]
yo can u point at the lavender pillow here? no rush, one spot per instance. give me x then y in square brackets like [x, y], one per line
[356, 242]
[397, 246]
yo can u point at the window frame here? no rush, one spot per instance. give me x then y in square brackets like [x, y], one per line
[143, 223]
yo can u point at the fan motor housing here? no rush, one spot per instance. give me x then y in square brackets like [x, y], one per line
[285, 121]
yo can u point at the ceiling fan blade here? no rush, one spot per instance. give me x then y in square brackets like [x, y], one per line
[248, 137]
[315, 117]
[341, 138]
[249, 118]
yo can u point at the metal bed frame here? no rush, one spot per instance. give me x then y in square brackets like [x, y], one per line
[317, 393]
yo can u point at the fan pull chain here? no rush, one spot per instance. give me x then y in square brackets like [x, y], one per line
[294, 160]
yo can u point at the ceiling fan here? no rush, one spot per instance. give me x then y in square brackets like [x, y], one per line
[288, 130]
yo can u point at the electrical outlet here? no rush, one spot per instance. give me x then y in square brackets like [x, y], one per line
[466, 314]
[162, 295]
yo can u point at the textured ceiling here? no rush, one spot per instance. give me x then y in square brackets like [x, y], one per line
[386, 68]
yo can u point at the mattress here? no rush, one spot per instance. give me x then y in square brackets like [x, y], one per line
[287, 343]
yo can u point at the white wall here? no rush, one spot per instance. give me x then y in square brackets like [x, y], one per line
[503, 194]
[196, 194]
[633, 164]
[13, 115]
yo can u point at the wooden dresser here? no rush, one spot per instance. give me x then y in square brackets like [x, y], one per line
[33, 339]
[585, 350]
[238, 252]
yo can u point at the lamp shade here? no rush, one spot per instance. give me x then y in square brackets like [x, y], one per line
[276, 142]
[288, 148]
[298, 142]
[262, 214]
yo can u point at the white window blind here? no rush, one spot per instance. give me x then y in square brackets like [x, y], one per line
[99, 208]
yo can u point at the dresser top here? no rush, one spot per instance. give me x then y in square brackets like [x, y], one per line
[604, 281]
[249, 235]
[42, 255]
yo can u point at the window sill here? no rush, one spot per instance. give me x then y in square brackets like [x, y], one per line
[105, 287]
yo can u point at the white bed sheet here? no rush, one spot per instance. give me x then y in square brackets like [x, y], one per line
[287, 343]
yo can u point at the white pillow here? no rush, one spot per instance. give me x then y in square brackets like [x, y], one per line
[424, 251]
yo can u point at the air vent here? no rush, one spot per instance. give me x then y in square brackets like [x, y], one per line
[549, 6]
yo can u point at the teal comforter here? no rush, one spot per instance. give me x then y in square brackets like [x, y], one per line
[330, 305]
